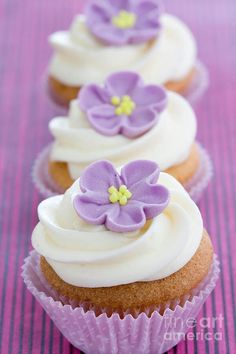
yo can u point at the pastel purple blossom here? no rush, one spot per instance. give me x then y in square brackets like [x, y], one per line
[124, 105]
[146, 199]
[119, 22]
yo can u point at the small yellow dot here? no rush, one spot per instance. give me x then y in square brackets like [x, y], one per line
[115, 100]
[118, 111]
[123, 200]
[127, 111]
[130, 20]
[128, 194]
[112, 189]
[122, 188]
[126, 98]
[113, 198]
[119, 195]
[125, 103]
[123, 23]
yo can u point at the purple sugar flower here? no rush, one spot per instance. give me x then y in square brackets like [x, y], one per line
[122, 202]
[119, 22]
[125, 105]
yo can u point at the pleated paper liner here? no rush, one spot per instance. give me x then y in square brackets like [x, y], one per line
[144, 333]
[199, 84]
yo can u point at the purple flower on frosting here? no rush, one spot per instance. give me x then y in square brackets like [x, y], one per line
[122, 202]
[118, 22]
[124, 105]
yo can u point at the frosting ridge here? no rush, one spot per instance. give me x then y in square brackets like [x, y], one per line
[168, 57]
[168, 142]
[92, 256]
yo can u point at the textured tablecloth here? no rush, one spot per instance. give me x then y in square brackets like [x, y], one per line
[24, 114]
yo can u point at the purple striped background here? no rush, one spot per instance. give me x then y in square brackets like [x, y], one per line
[25, 111]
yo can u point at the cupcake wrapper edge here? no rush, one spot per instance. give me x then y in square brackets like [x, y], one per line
[102, 334]
[197, 184]
[198, 85]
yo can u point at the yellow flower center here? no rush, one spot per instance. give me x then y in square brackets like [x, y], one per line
[124, 105]
[124, 19]
[122, 195]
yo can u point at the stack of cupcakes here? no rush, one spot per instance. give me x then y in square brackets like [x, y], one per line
[124, 35]
[120, 245]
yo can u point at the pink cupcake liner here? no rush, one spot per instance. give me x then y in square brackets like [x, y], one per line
[47, 187]
[56, 107]
[198, 85]
[93, 334]
[41, 177]
[193, 92]
[198, 183]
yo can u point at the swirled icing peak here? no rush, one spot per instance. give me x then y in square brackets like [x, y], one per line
[124, 105]
[89, 255]
[122, 202]
[118, 22]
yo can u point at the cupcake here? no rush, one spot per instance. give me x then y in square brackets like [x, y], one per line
[114, 35]
[121, 250]
[122, 120]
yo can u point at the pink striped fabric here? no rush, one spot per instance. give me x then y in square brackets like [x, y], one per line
[25, 112]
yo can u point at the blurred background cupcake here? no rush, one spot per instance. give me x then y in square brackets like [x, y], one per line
[122, 35]
[125, 119]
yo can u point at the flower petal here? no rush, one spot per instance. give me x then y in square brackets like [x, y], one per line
[99, 20]
[98, 16]
[137, 36]
[110, 34]
[139, 171]
[122, 83]
[154, 198]
[142, 120]
[98, 12]
[150, 25]
[92, 96]
[94, 213]
[150, 95]
[147, 199]
[147, 9]
[121, 4]
[104, 120]
[98, 177]
[129, 218]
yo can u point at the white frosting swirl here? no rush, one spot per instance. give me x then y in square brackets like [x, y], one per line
[168, 142]
[92, 256]
[79, 58]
